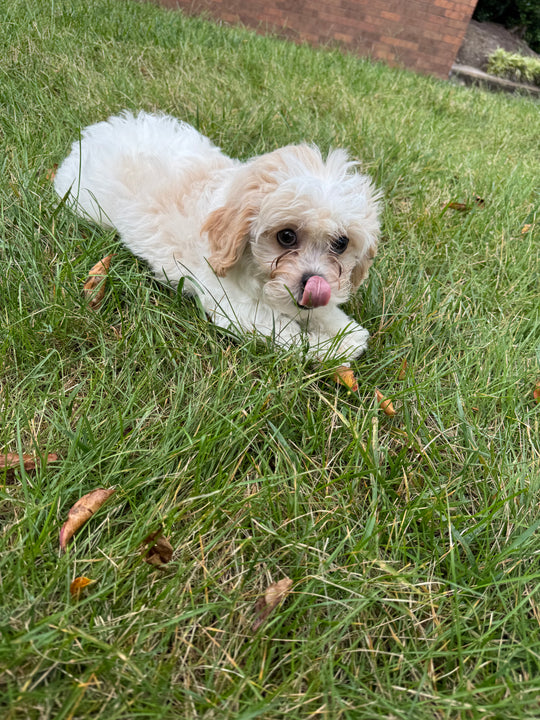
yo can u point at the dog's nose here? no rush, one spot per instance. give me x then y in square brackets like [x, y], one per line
[316, 291]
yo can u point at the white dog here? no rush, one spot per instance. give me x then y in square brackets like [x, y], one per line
[272, 245]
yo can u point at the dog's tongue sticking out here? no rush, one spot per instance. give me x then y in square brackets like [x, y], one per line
[316, 292]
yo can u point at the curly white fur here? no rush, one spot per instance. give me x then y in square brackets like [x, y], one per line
[192, 212]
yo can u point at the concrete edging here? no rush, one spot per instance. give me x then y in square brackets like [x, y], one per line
[472, 76]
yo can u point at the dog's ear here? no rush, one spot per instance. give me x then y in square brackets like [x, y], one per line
[228, 233]
[229, 226]
[360, 270]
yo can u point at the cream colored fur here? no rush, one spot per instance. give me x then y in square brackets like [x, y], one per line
[192, 212]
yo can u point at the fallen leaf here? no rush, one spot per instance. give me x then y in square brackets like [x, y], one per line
[12, 461]
[273, 595]
[526, 228]
[82, 511]
[536, 392]
[94, 287]
[51, 174]
[78, 584]
[464, 207]
[157, 549]
[385, 404]
[403, 370]
[344, 375]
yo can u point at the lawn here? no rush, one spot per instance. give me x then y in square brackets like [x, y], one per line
[412, 541]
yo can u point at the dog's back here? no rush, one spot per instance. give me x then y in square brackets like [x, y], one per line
[129, 159]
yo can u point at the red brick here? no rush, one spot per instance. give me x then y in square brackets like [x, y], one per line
[421, 34]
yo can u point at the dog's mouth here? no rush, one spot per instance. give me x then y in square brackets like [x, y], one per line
[316, 293]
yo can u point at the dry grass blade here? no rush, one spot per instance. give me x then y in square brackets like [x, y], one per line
[273, 595]
[94, 287]
[83, 511]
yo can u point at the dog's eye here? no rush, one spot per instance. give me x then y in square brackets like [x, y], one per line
[286, 238]
[339, 245]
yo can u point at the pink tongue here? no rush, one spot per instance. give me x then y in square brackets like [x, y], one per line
[316, 292]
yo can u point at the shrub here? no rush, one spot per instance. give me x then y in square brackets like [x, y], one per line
[514, 66]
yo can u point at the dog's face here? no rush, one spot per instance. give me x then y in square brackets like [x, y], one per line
[310, 226]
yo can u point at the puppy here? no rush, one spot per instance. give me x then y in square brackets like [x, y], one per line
[272, 245]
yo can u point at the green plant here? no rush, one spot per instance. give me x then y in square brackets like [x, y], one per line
[514, 66]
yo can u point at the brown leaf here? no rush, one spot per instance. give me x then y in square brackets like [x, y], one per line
[94, 287]
[385, 404]
[157, 549]
[536, 392]
[274, 594]
[51, 174]
[403, 370]
[525, 229]
[82, 511]
[464, 207]
[12, 461]
[344, 375]
[78, 584]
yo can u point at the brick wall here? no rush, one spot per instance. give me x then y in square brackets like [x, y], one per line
[423, 35]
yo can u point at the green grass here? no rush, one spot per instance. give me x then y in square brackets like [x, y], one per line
[412, 542]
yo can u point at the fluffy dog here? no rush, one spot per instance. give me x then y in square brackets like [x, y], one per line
[272, 245]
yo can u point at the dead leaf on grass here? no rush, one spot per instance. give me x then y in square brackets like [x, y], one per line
[385, 404]
[94, 287]
[461, 207]
[51, 174]
[536, 392]
[82, 511]
[403, 370]
[79, 584]
[272, 597]
[465, 207]
[344, 375]
[11, 462]
[525, 229]
[157, 550]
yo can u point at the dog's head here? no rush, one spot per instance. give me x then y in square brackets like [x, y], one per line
[310, 226]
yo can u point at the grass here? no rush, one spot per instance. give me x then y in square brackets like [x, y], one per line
[412, 541]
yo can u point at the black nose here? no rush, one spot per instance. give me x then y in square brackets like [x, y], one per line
[305, 278]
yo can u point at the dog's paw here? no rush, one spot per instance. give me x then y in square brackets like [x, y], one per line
[353, 343]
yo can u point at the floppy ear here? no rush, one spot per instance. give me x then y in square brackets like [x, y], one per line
[360, 270]
[228, 233]
[228, 227]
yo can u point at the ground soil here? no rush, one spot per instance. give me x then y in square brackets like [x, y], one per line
[482, 39]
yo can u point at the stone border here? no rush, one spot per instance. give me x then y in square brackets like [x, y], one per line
[473, 76]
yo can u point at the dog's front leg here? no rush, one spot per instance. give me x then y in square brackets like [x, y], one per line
[255, 317]
[336, 334]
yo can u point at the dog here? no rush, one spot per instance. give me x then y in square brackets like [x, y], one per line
[272, 245]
